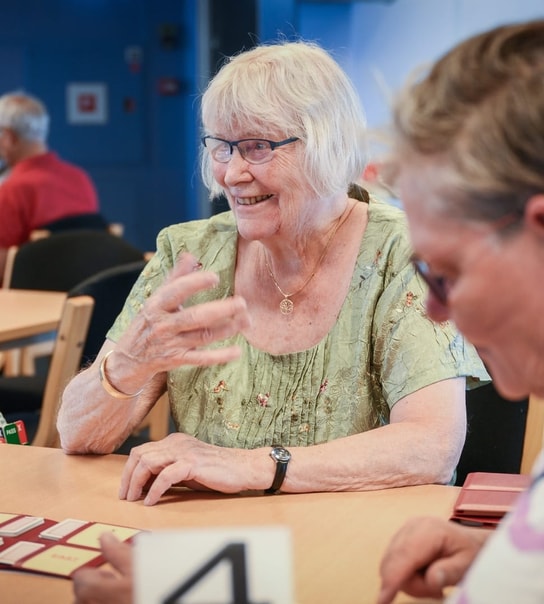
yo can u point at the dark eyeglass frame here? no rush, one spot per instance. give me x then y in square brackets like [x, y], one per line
[437, 284]
[273, 145]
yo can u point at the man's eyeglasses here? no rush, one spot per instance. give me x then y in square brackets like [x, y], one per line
[253, 150]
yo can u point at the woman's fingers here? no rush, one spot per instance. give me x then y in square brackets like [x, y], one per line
[167, 334]
[143, 464]
[176, 459]
[184, 280]
[117, 553]
[97, 586]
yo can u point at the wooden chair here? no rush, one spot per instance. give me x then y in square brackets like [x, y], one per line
[16, 398]
[533, 441]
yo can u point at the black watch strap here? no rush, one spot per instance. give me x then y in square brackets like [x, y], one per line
[281, 456]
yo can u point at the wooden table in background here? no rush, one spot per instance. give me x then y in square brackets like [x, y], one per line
[338, 538]
[25, 314]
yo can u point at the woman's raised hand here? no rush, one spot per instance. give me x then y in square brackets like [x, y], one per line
[165, 334]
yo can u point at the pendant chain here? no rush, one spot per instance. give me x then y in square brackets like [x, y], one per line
[286, 305]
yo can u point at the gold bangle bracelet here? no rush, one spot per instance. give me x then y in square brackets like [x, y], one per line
[109, 387]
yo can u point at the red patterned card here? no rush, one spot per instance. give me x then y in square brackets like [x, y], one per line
[41, 545]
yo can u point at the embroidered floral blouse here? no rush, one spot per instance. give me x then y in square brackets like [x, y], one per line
[381, 348]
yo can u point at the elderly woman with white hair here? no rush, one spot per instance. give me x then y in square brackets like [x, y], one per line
[289, 331]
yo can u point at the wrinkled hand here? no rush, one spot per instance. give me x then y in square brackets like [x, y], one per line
[165, 334]
[425, 556]
[100, 586]
[180, 459]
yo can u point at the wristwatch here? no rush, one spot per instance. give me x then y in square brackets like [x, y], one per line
[282, 457]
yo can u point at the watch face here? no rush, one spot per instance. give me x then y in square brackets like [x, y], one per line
[281, 454]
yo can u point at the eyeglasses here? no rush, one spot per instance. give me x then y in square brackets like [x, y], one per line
[439, 285]
[253, 150]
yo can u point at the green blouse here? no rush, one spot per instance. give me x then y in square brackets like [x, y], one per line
[382, 348]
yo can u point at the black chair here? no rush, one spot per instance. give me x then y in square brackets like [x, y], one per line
[109, 289]
[91, 221]
[495, 433]
[60, 262]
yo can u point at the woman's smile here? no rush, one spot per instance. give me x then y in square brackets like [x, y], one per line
[251, 201]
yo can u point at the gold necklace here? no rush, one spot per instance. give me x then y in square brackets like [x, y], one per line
[286, 305]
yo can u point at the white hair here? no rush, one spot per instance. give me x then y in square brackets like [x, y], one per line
[292, 89]
[25, 115]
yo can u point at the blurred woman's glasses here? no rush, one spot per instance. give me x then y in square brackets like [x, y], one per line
[253, 150]
[438, 284]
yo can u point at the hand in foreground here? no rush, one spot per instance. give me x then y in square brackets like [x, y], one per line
[100, 586]
[425, 556]
[180, 459]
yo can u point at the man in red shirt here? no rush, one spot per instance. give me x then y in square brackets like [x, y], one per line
[40, 187]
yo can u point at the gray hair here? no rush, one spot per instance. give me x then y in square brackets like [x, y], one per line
[291, 89]
[479, 113]
[25, 115]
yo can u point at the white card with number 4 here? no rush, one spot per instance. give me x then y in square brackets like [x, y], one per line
[246, 565]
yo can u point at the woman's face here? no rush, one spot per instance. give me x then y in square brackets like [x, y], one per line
[488, 279]
[266, 198]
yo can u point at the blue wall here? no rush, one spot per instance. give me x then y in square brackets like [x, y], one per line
[141, 160]
[144, 162]
[380, 43]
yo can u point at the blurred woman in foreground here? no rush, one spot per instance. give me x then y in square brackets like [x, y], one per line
[469, 167]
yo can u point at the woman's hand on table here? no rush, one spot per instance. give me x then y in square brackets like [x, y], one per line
[182, 460]
[100, 586]
[426, 555]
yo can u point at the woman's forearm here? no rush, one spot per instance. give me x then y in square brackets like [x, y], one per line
[421, 445]
[91, 420]
[391, 456]
[394, 455]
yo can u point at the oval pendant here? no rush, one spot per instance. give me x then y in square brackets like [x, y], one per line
[286, 306]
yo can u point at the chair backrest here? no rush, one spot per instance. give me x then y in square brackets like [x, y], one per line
[60, 262]
[109, 289]
[65, 363]
[89, 221]
[495, 433]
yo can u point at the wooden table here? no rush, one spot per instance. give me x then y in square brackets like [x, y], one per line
[25, 314]
[338, 538]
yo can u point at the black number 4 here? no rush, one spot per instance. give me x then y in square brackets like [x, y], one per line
[235, 553]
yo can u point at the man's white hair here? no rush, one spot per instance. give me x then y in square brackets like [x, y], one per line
[25, 115]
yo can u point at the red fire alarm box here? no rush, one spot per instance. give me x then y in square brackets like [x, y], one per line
[168, 86]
